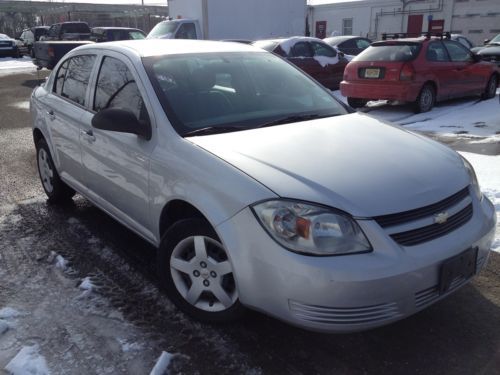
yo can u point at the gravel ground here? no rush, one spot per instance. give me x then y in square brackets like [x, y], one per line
[119, 322]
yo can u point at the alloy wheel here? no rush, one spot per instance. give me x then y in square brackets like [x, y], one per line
[46, 171]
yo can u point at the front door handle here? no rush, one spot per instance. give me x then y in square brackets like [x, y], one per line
[51, 115]
[88, 134]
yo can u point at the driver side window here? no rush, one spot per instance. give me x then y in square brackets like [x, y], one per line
[116, 88]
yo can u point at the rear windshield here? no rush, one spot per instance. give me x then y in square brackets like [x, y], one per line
[76, 28]
[390, 52]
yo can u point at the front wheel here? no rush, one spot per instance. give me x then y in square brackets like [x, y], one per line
[491, 88]
[425, 100]
[356, 102]
[196, 272]
[57, 191]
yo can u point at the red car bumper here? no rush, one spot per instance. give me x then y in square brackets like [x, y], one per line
[401, 90]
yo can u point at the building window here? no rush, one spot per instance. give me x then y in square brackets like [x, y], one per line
[495, 31]
[347, 26]
[475, 31]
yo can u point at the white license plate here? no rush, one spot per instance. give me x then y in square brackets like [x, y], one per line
[372, 73]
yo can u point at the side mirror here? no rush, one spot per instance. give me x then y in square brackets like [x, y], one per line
[341, 54]
[121, 120]
[476, 57]
[486, 41]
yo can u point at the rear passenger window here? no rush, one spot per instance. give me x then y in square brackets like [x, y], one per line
[301, 49]
[73, 78]
[116, 88]
[322, 50]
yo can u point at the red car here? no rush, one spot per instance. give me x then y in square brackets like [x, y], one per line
[312, 55]
[417, 70]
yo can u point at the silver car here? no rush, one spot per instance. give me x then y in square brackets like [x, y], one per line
[257, 186]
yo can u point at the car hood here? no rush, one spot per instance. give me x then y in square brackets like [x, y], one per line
[353, 162]
[492, 49]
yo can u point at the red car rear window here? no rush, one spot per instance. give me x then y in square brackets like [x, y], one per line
[390, 51]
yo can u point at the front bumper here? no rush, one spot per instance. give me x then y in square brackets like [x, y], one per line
[351, 292]
[379, 90]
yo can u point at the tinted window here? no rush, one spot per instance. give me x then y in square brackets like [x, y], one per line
[348, 44]
[116, 88]
[390, 52]
[301, 49]
[458, 53]
[464, 42]
[322, 50]
[186, 31]
[437, 52]
[76, 28]
[77, 78]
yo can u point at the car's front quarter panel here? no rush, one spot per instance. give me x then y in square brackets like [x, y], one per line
[181, 170]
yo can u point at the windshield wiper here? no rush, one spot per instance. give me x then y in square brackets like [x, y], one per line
[213, 130]
[294, 118]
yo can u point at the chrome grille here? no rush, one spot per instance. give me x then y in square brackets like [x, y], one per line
[344, 315]
[412, 215]
[420, 225]
[430, 232]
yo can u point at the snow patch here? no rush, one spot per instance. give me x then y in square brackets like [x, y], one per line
[21, 105]
[324, 60]
[86, 284]
[9, 313]
[61, 262]
[4, 327]
[161, 366]
[28, 362]
[487, 169]
[129, 346]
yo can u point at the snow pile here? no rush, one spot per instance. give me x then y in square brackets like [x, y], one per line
[10, 65]
[9, 313]
[488, 173]
[61, 262]
[28, 362]
[324, 60]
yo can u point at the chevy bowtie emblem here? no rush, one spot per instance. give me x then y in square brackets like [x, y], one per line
[441, 217]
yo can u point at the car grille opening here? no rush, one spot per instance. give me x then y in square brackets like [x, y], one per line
[426, 233]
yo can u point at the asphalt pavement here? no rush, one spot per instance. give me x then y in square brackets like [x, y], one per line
[459, 335]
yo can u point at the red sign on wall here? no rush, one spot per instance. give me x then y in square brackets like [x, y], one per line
[320, 29]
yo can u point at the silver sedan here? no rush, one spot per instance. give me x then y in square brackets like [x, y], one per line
[257, 186]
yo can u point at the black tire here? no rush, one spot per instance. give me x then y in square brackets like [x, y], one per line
[356, 102]
[426, 99]
[491, 88]
[172, 280]
[57, 191]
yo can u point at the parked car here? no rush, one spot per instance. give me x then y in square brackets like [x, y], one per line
[110, 34]
[29, 36]
[462, 39]
[247, 176]
[417, 70]
[68, 31]
[490, 51]
[46, 54]
[312, 55]
[8, 46]
[349, 44]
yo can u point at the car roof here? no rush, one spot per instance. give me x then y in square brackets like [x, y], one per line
[158, 47]
[341, 38]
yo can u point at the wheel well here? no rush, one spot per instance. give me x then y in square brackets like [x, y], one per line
[37, 135]
[177, 210]
[433, 84]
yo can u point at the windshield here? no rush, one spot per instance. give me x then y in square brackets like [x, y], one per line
[389, 51]
[235, 91]
[495, 40]
[163, 28]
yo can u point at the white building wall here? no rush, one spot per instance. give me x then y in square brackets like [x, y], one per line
[476, 19]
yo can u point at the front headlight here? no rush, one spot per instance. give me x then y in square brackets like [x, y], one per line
[473, 178]
[309, 229]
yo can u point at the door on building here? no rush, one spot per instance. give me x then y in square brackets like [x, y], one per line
[415, 22]
[436, 26]
[321, 29]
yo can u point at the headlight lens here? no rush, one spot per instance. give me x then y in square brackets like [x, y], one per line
[473, 178]
[310, 229]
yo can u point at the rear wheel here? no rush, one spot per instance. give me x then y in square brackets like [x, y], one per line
[54, 187]
[491, 88]
[356, 102]
[426, 99]
[196, 272]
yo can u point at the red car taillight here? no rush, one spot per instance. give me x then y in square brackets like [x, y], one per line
[407, 72]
